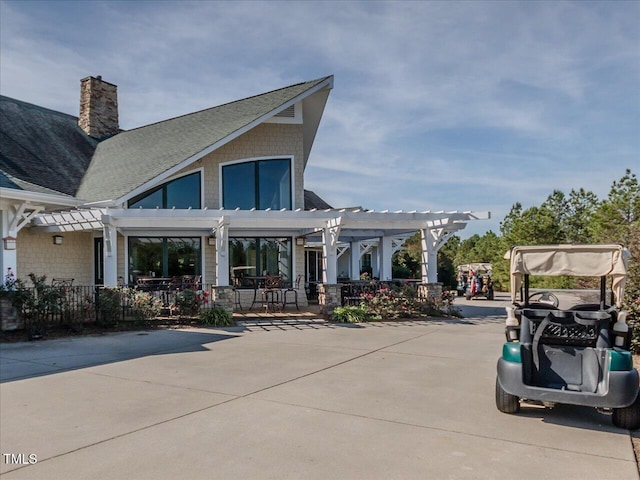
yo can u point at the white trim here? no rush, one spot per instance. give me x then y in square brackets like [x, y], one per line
[328, 82]
[292, 169]
[47, 198]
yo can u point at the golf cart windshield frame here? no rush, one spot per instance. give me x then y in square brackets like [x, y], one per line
[605, 261]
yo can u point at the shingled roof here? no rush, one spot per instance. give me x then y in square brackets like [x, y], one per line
[132, 158]
[42, 148]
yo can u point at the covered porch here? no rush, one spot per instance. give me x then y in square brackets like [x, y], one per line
[282, 237]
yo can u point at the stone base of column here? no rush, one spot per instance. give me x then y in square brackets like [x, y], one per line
[329, 297]
[224, 297]
[430, 292]
[9, 314]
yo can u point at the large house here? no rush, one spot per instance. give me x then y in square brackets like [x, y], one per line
[217, 194]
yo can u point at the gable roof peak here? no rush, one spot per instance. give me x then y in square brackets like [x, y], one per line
[163, 148]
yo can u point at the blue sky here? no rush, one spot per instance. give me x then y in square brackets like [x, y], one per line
[436, 105]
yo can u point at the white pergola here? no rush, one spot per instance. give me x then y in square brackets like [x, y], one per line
[18, 208]
[334, 229]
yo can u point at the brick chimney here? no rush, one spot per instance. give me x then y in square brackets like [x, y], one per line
[98, 107]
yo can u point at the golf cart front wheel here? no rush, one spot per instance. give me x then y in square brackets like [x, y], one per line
[627, 417]
[506, 402]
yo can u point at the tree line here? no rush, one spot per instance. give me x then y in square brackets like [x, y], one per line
[577, 217]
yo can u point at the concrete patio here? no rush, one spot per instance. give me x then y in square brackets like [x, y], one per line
[297, 398]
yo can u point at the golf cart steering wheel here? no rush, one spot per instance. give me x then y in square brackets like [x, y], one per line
[544, 297]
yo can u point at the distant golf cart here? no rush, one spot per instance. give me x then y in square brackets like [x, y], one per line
[474, 280]
[578, 355]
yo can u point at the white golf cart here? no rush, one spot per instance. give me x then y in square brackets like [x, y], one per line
[577, 355]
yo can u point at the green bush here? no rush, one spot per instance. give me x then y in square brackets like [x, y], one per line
[350, 314]
[216, 317]
[109, 306]
[144, 305]
[189, 302]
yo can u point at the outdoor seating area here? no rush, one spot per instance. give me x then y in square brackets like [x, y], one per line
[181, 282]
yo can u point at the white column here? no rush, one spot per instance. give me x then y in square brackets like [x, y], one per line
[222, 254]
[429, 263]
[110, 252]
[385, 252]
[329, 257]
[9, 258]
[355, 260]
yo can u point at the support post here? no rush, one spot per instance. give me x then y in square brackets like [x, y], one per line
[355, 261]
[330, 235]
[110, 253]
[385, 252]
[222, 253]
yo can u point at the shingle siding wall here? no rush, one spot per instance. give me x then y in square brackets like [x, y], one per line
[266, 140]
[73, 259]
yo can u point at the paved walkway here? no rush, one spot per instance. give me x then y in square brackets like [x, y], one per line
[295, 400]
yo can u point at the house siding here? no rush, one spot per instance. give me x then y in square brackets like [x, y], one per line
[265, 140]
[37, 254]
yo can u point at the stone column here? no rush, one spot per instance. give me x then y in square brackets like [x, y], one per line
[224, 297]
[329, 297]
[430, 291]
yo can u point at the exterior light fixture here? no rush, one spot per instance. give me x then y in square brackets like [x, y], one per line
[9, 243]
[211, 240]
[300, 241]
[57, 239]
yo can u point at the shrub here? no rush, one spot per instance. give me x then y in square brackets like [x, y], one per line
[216, 317]
[350, 314]
[189, 302]
[144, 305]
[108, 306]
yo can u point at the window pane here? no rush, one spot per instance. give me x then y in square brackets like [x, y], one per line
[184, 192]
[151, 200]
[242, 261]
[274, 184]
[145, 257]
[274, 258]
[183, 256]
[163, 257]
[238, 186]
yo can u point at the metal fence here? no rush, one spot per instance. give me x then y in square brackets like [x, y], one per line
[352, 292]
[55, 306]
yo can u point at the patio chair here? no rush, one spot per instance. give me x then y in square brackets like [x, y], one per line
[292, 290]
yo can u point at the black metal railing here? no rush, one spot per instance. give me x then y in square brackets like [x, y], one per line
[64, 306]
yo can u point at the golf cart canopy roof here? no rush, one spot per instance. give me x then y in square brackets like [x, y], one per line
[572, 260]
[475, 267]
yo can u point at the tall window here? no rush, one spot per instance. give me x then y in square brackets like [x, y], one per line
[260, 184]
[183, 192]
[163, 257]
[259, 256]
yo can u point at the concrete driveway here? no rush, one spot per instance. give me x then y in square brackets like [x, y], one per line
[307, 400]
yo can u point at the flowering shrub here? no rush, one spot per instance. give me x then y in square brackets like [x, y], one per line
[143, 304]
[109, 306]
[189, 302]
[445, 304]
[389, 303]
[14, 290]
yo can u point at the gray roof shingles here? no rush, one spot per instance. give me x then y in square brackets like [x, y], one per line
[132, 158]
[43, 148]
